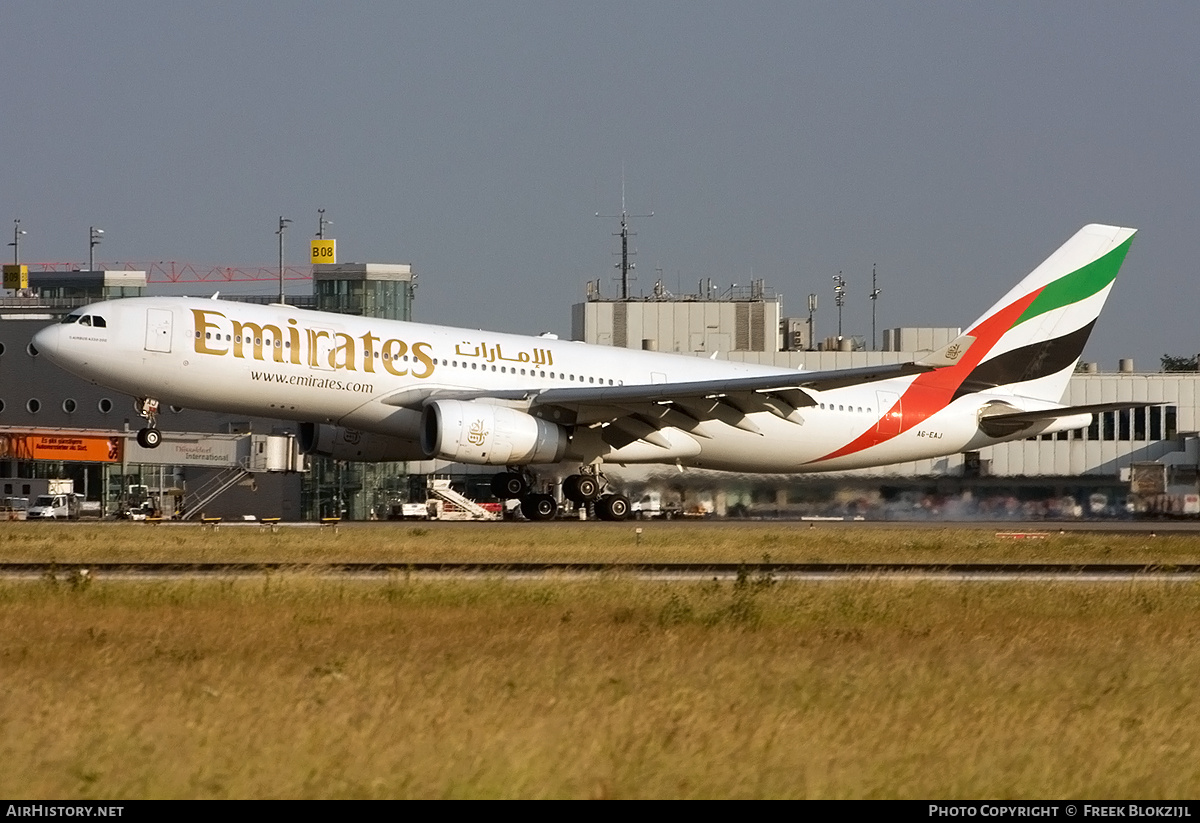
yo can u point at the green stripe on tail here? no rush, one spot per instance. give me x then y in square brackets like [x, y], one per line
[1078, 285]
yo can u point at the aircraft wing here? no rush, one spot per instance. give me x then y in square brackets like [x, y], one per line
[664, 392]
[659, 392]
[637, 412]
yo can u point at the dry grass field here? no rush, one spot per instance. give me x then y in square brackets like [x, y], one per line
[292, 686]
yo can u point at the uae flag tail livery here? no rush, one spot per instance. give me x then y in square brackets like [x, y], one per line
[1031, 340]
[1010, 369]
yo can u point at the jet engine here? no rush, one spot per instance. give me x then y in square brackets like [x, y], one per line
[341, 443]
[489, 435]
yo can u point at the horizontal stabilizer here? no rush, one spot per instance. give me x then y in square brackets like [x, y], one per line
[1007, 424]
[1064, 411]
[949, 354]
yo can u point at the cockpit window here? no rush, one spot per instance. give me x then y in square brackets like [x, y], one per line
[93, 320]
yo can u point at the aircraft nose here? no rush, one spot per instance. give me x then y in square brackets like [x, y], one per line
[46, 341]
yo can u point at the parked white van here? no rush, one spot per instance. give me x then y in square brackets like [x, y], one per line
[54, 507]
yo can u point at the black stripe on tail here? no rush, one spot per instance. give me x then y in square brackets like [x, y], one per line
[1030, 362]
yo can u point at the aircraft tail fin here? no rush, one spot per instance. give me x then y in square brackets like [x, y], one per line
[1032, 337]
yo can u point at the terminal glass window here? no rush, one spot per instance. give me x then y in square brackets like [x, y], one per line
[388, 299]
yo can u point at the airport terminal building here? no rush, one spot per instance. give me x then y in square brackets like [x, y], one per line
[258, 466]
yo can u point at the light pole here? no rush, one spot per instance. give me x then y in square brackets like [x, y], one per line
[94, 235]
[322, 223]
[283, 221]
[16, 243]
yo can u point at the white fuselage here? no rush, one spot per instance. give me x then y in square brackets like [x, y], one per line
[366, 374]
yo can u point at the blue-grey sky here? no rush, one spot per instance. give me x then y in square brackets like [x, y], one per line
[952, 144]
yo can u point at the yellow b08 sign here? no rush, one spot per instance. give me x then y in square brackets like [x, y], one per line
[324, 251]
[16, 277]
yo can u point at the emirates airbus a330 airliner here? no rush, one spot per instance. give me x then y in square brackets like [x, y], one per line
[370, 389]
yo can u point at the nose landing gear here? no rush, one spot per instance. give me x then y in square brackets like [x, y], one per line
[149, 437]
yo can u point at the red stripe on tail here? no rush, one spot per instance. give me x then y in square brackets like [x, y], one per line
[932, 391]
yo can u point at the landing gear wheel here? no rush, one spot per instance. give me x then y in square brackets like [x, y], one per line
[539, 507]
[149, 438]
[612, 507]
[507, 485]
[581, 489]
[570, 489]
[589, 488]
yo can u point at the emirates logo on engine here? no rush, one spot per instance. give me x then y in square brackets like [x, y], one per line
[477, 433]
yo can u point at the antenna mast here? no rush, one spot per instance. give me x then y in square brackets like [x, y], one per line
[625, 266]
[812, 310]
[839, 299]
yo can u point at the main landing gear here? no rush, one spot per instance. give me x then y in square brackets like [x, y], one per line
[517, 485]
[149, 437]
[585, 489]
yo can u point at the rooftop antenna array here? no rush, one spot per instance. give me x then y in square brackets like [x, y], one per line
[839, 298]
[625, 266]
[812, 310]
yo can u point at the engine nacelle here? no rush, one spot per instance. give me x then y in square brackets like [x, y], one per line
[488, 435]
[341, 443]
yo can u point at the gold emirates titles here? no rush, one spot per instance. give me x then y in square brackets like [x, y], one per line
[342, 353]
